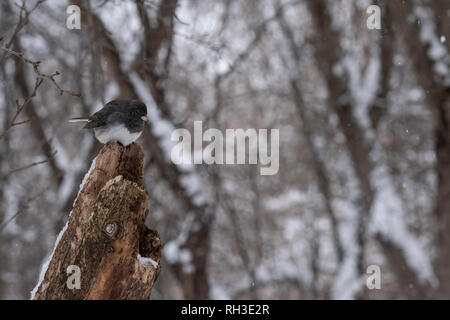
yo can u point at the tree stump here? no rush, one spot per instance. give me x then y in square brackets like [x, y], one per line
[105, 237]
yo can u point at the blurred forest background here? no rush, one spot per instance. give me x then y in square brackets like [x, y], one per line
[364, 119]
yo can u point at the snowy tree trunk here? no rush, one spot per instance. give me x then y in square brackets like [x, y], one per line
[105, 237]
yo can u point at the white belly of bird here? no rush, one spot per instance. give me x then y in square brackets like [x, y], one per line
[117, 132]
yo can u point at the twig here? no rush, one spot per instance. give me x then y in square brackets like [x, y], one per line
[39, 79]
[20, 123]
[20, 107]
[4, 224]
[39, 74]
[24, 15]
[22, 208]
[32, 164]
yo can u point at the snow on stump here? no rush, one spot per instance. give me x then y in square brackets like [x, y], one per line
[105, 239]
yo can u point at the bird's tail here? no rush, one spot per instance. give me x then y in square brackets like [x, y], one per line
[78, 120]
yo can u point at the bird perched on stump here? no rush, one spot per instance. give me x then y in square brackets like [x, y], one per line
[121, 120]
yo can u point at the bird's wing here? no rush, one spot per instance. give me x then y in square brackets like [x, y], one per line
[100, 118]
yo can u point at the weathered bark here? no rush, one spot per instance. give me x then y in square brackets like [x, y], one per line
[106, 233]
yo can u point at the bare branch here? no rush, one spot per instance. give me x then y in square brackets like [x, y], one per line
[20, 107]
[32, 164]
[20, 123]
[24, 16]
[39, 74]
[22, 208]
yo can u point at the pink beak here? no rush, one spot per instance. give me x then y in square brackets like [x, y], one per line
[144, 118]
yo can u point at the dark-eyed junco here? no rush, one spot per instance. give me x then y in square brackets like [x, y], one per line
[121, 120]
